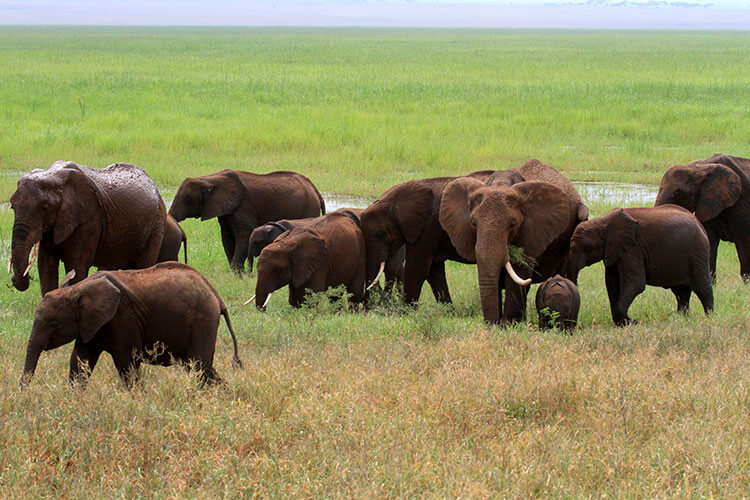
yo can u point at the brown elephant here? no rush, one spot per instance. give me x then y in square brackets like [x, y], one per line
[717, 189]
[662, 246]
[557, 303]
[263, 236]
[406, 216]
[165, 313]
[483, 222]
[243, 201]
[328, 252]
[112, 218]
[173, 238]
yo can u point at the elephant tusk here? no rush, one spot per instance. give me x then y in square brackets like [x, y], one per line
[34, 253]
[249, 300]
[266, 302]
[514, 276]
[377, 277]
[10, 261]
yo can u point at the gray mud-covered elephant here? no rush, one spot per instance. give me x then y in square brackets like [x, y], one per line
[165, 313]
[242, 201]
[111, 218]
[717, 190]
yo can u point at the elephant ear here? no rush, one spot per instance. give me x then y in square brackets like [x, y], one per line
[582, 212]
[222, 196]
[720, 189]
[307, 255]
[621, 235]
[455, 215]
[411, 207]
[547, 213]
[78, 196]
[98, 301]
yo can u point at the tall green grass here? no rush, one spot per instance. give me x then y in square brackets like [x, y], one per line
[391, 402]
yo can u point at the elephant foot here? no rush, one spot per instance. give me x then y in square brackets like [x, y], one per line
[626, 321]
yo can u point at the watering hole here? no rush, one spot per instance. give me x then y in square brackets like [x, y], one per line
[612, 193]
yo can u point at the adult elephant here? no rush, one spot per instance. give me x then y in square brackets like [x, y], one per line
[243, 201]
[112, 218]
[406, 215]
[484, 221]
[717, 189]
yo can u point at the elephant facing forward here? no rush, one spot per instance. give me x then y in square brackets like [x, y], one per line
[663, 246]
[242, 201]
[485, 221]
[717, 189]
[112, 218]
[328, 252]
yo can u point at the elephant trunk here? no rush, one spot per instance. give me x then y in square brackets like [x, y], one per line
[23, 240]
[489, 268]
[33, 350]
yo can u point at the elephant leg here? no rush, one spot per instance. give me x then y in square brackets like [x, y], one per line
[612, 280]
[713, 240]
[241, 244]
[630, 288]
[49, 269]
[682, 294]
[743, 252]
[227, 238]
[127, 367]
[296, 296]
[703, 288]
[515, 301]
[415, 274]
[83, 359]
[438, 283]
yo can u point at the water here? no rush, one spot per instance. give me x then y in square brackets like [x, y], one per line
[613, 193]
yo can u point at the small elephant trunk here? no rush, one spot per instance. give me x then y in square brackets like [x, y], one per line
[33, 351]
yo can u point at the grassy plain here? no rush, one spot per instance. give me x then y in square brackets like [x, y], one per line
[387, 403]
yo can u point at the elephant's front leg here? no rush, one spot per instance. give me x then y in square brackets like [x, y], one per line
[632, 278]
[438, 283]
[241, 245]
[515, 301]
[682, 294]
[49, 268]
[227, 238]
[82, 362]
[416, 270]
[713, 241]
[127, 363]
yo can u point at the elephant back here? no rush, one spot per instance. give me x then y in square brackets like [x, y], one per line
[535, 170]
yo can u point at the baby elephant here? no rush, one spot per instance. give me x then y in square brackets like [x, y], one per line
[328, 252]
[164, 313]
[264, 235]
[557, 302]
[663, 246]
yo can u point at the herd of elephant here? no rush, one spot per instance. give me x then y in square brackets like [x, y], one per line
[519, 226]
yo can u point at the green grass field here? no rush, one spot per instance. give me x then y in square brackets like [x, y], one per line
[393, 403]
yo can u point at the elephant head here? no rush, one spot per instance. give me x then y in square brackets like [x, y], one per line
[55, 202]
[264, 235]
[483, 221]
[68, 313]
[505, 178]
[208, 196]
[604, 238]
[396, 218]
[706, 189]
[290, 260]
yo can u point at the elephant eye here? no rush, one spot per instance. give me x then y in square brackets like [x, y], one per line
[473, 222]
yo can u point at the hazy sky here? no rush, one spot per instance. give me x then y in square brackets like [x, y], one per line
[722, 14]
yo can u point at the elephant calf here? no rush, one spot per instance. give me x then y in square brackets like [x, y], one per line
[326, 253]
[557, 302]
[663, 246]
[159, 314]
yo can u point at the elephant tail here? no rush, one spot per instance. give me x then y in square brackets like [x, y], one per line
[321, 200]
[225, 313]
